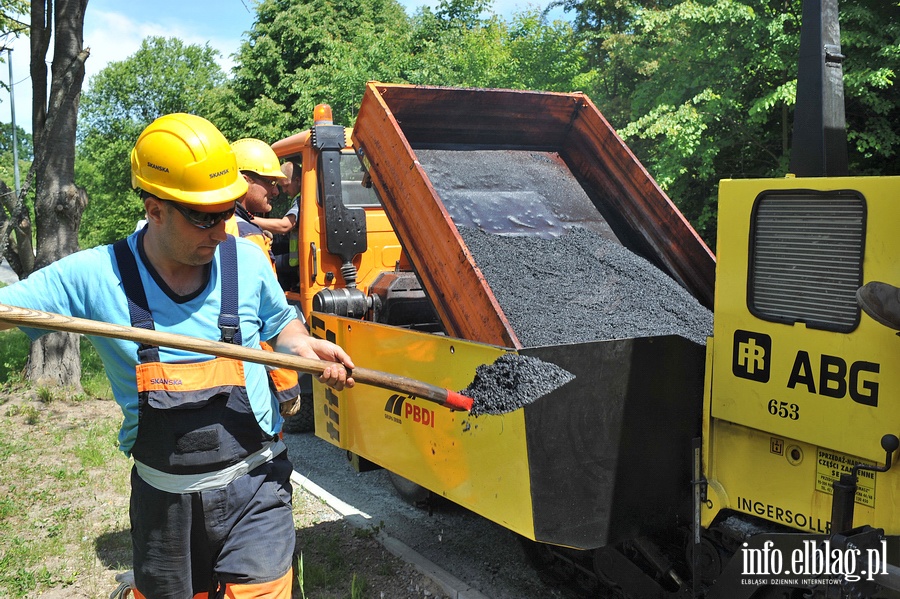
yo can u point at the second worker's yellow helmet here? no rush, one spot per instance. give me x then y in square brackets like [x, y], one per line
[257, 156]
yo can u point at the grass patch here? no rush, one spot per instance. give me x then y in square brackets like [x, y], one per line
[93, 375]
[64, 495]
[64, 484]
[330, 567]
[46, 394]
[14, 348]
[64, 490]
[99, 446]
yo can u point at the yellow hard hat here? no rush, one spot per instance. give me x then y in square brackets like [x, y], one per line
[257, 156]
[183, 157]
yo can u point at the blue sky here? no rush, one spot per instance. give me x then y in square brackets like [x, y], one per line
[114, 29]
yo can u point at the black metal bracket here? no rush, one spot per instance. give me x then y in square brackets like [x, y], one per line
[345, 228]
[843, 495]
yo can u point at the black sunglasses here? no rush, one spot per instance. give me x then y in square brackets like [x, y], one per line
[202, 220]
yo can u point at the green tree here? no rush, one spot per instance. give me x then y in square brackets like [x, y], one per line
[870, 38]
[705, 90]
[58, 202]
[25, 147]
[24, 142]
[14, 211]
[708, 104]
[458, 45]
[301, 53]
[463, 43]
[546, 56]
[162, 77]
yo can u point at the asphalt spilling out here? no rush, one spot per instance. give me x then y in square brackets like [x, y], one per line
[511, 382]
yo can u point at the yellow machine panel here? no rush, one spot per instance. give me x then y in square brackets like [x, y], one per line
[476, 462]
[803, 384]
[529, 470]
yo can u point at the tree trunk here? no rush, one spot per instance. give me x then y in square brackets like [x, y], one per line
[59, 204]
[63, 351]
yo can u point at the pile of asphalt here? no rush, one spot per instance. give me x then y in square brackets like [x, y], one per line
[553, 264]
[580, 287]
[512, 382]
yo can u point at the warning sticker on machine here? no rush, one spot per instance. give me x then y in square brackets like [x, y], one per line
[830, 465]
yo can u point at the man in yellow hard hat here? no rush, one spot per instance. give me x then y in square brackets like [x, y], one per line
[211, 493]
[259, 167]
[286, 264]
[290, 187]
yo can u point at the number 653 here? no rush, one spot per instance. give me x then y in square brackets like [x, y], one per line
[783, 409]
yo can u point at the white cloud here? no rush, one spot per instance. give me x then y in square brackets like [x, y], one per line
[114, 36]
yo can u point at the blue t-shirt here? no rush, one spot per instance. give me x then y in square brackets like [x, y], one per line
[294, 209]
[87, 285]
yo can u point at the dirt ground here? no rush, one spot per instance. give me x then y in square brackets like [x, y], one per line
[66, 490]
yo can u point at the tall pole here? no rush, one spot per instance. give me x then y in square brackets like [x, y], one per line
[12, 112]
[819, 146]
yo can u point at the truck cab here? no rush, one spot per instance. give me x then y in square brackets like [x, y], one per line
[344, 256]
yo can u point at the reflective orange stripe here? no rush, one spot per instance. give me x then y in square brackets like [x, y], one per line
[276, 589]
[282, 378]
[161, 376]
[138, 595]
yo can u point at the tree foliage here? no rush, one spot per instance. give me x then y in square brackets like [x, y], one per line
[700, 89]
[24, 142]
[25, 147]
[163, 76]
[302, 53]
[13, 18]
[458, 44]
[13, 22]
[704, 90]
[870, 38]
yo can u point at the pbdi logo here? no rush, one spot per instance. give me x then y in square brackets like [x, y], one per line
[752, 356]
[394, 407]
[398, 408]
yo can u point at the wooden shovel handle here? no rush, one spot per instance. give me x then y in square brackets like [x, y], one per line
[375, 378]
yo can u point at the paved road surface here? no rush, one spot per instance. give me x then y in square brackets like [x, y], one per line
[7, 275]
[483, 555]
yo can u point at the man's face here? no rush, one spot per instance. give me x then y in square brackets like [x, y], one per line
[291, 185]
[260, 192]
[189, 233]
